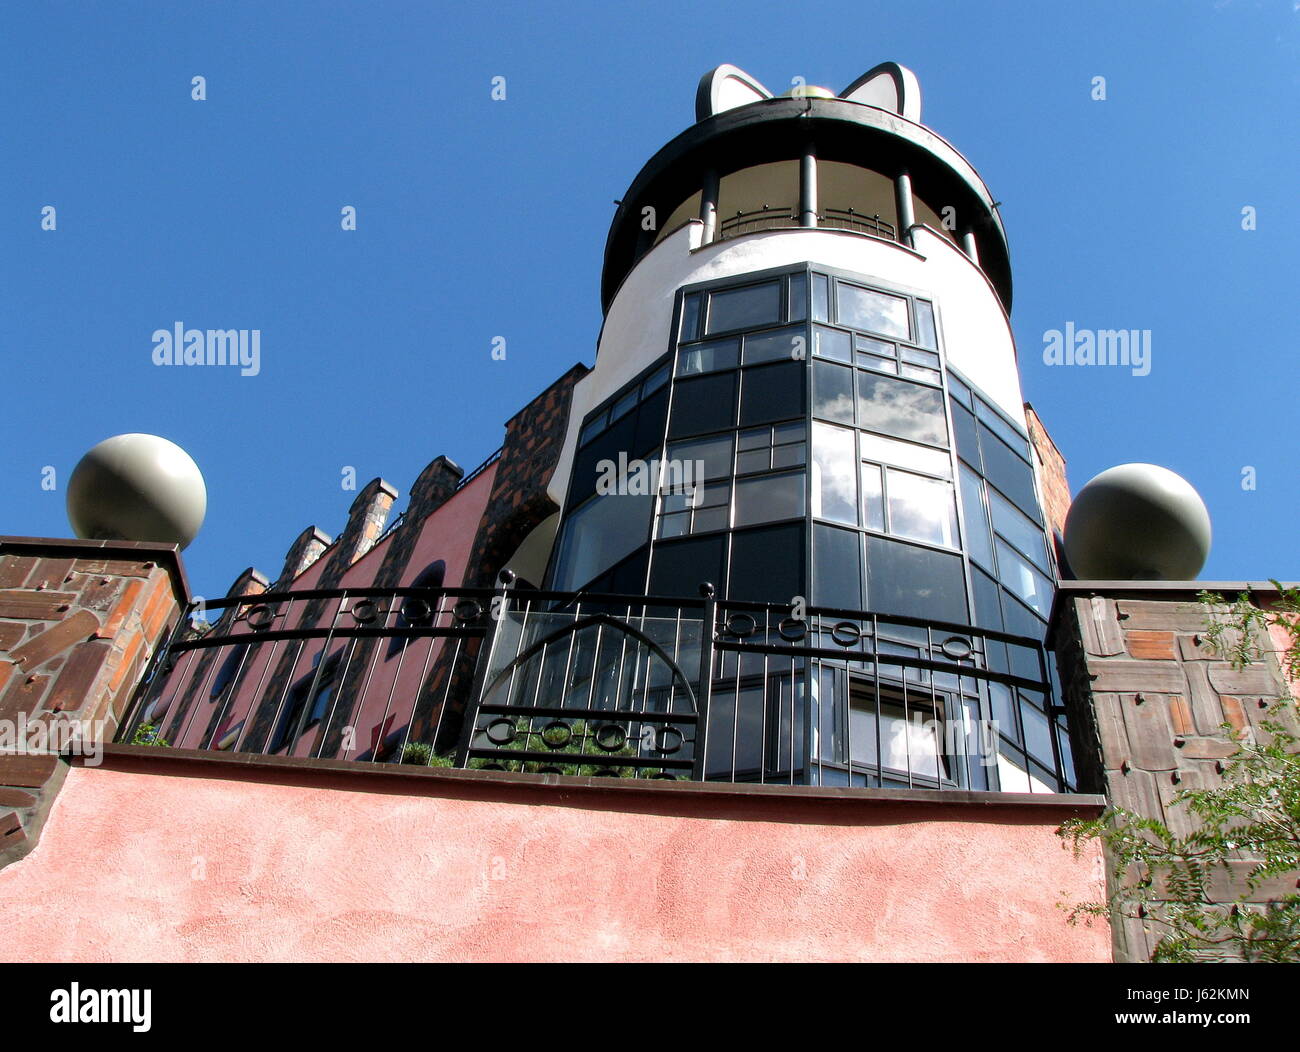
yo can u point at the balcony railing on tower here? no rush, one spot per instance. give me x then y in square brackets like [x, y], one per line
[604, 685]
[768, 218]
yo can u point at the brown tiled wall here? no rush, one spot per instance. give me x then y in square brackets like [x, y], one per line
[79, 621]
[1148, 703]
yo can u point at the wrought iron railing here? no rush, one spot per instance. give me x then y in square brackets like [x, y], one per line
[604, 685]
[768, 218]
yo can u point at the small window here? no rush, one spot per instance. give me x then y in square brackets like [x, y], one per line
[821, 298]
[798, 297]
[833, 392]
[906, 455]
[901, 409]
[895, 732]
[835, 475]
[744, 308]
[925, 334]
[691, 317]
[921, 509]
[783, 345]
[708, 357]
[769, 498]
[833, 344]
[871, 311]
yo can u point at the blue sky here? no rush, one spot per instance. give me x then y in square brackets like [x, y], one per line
[481, 218]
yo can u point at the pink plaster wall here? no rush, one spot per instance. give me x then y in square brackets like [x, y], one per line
[458, 871]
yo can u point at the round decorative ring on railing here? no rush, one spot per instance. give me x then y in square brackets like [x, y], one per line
[416, 611]
[493, 767]
[500, 731]
[741, 625]
[956, 648]
[792, 629]
[364, 611]
[664, 776]
[556, 734]
[668, 740]
[550, 768]
[610, 737]
[607, 772]
[467, 610]
[260, 617]
[846, 633]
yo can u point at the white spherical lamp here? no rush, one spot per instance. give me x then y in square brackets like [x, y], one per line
[137, 488]
[1137, 522]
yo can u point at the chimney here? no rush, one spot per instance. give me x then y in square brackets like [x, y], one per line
[304, 551]
[366, 519]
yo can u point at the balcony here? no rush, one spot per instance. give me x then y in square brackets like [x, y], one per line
[606, 686]
[767, 218]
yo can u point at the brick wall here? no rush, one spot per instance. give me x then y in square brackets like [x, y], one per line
[1148, 703]
[79, 621]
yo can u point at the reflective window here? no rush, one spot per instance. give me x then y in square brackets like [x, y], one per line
[925, 334]
[979, 545]
[821, 297]
[767, 564]
[833, 392]
[833, 344]
[684, 458]
[767, 498]
[769, 448]
[834, 478]
[873, 498]
[837, 568]
[873, 311]
[691, 317]
[745, 308]
[910, 738]
[772, 392]
[921, 509]
[781, 345]
[708, 357]
[1022, 579]
[906, 455]
[1013, 476]
[703, 405]
[798, 297]
[599, 534]
[1022, 532]
[915, 582]
[901, 409]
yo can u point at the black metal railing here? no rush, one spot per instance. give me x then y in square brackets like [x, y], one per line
[768, 218]
[604, 685]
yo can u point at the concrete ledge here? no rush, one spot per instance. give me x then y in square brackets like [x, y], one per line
[553, 788]
[166, 555]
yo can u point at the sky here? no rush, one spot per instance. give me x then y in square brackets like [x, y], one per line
[481, 218]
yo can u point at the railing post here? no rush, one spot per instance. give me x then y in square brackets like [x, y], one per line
[496, 612]
[705, 694]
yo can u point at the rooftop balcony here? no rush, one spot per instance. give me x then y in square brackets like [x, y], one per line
[767, 218]
[609, 686]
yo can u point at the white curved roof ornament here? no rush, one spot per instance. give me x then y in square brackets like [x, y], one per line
[725, 88]
[888, 86]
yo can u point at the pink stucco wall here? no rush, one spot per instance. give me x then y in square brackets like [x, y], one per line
[135, 865]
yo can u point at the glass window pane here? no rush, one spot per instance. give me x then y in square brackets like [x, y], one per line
[968, 442]
[873, 498]
[916, 357]
[789, 456]
[768, 498]
[798, 297]
[1011, 475]
[675, 524]
[921, 508]
[917, 372]
[686, 461]
[594, 426]
[988, 609]
[1022, 532]
[655, 381]
[772, 392]
[873, 311]
[870, 346]
[713, 495]
[767, 564]
[880, 365]
[681, 567]
[905, 455]
[911, 739]
[625, 405]
[599, 534]
[833, 344]
[837, 568]
[821, 297]
[709, 519]
[1010, 435]
[959, 390]
[833, 392]
[979, 544]
[753, 460]
[1022, 579]
[703, 405]
[834, 478]
[783, 344]
[915, 582]
[925, 334]
[792, 432]
[708, 357]
[745, 308]
[758, 438]
[691, 317]
[902, 409]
